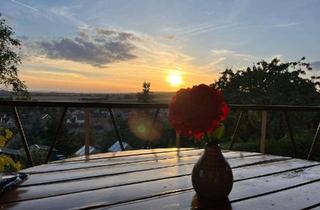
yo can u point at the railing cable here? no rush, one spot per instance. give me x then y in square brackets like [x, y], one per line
[286, 118]
[314, 143]
[116, 129]
[233, 137]
[23, 135]
[55, 139]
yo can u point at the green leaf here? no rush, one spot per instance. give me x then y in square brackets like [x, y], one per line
[218, 133]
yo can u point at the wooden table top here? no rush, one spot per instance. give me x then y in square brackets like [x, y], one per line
[161, 179]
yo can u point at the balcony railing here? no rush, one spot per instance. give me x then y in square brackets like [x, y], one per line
[264, 109]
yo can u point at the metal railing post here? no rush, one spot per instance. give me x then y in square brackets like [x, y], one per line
[55, 139]
[23, 135]
[116, 129]
[87, 125]
[263, 143]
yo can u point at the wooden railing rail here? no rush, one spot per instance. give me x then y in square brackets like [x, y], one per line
[264, 109]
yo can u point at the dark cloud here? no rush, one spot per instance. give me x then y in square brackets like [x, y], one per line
[98, 49]
[170, 37]
[106, 32]
[116, 34]
[315, 65]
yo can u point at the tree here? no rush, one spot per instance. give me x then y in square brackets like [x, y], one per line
[271, 83]
[9, 60]
[145, 96]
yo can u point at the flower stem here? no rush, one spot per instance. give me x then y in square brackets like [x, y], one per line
[207, 138]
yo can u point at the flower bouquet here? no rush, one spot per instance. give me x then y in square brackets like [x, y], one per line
[198, 112]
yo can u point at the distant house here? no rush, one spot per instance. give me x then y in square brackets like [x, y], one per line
[45, 119]
[92, 150]
[123, 114]
[55, 155]
[40, 147]
[10, 123]
[3, 117]
[101, 125]
[77, 116]
[116, 147]
[79, 119]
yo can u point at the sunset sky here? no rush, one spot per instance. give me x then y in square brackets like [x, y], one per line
[115, 45]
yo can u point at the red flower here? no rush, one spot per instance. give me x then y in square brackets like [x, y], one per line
[192, 112]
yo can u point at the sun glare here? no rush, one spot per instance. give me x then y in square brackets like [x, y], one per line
[174, 79]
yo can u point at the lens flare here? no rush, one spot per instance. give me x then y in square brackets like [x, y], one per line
[140, 124]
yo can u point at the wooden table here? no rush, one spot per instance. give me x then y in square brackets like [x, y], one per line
[160, 179]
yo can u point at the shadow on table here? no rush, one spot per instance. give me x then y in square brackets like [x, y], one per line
[7, 198]
[204, 204]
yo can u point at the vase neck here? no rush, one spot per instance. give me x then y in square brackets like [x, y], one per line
[213, 152]
[212, 145]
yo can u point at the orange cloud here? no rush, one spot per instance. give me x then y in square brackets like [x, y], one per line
[153, 62]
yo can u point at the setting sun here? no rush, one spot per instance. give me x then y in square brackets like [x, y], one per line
[174, 79]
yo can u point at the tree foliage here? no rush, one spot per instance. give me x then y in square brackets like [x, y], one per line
[9, 60]
[145, 95]
[271, 83]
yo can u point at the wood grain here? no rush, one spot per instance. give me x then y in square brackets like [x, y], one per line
[82, 185]
[142, 191]
[94, 172]
[58, 167]
[161, 180]
[293, 190]
[122, 154]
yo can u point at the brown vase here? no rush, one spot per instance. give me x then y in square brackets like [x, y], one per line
[212, 176]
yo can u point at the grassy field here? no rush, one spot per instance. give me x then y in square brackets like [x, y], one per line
[158, 97]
